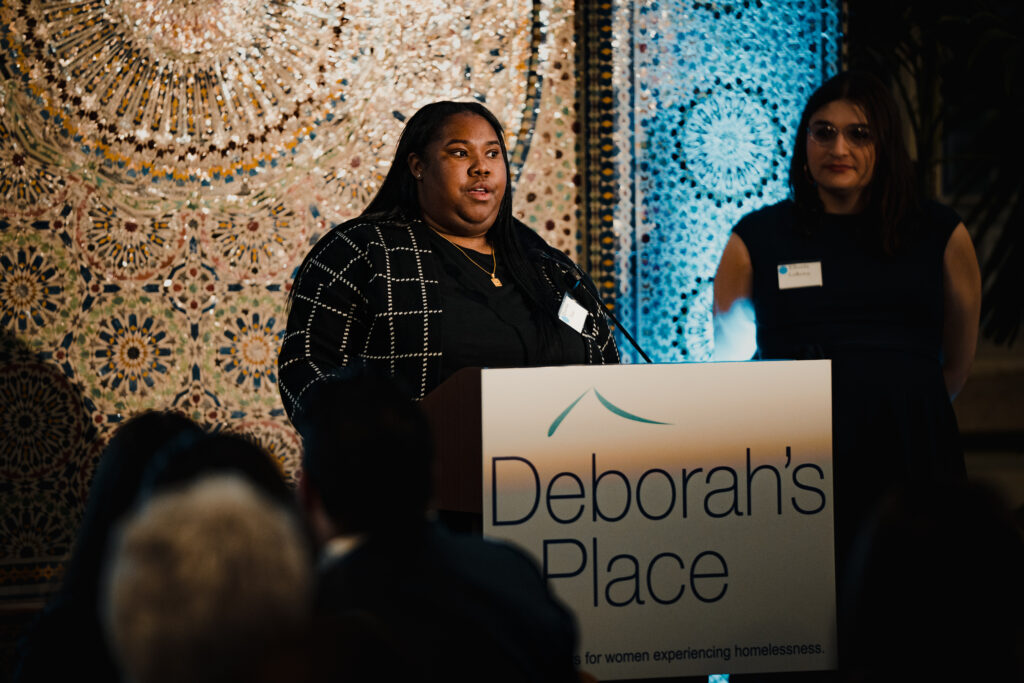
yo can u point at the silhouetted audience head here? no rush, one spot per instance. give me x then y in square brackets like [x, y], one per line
[367, 452]
[186, 460]
[119, 475]
[66, 639]
[937, 590]
[209, 582]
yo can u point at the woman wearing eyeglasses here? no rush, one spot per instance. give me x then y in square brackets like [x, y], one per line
[856, 268]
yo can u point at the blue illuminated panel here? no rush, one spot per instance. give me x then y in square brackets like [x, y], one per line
[716, 93]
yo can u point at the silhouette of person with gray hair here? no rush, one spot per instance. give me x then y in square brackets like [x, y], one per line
[209, 582]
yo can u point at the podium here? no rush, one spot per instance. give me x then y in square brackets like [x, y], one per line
[454, 410]
[682, 511]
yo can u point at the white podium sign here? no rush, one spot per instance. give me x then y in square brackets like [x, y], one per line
[683, 512]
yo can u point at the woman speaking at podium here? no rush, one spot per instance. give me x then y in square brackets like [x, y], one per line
[436, 274]
[857, 269]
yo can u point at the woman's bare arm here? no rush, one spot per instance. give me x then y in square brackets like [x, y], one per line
[733, 315]
[961, 283]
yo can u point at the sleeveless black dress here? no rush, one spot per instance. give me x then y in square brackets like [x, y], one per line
[879, 319]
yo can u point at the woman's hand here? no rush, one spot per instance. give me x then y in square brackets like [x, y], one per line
[961, 285]
[733, 311]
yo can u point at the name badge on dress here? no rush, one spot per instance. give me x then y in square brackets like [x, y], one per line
[571, 313]
[796, 275]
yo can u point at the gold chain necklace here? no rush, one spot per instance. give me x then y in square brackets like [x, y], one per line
[494, 260]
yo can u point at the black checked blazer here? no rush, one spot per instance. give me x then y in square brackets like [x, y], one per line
[368, 292]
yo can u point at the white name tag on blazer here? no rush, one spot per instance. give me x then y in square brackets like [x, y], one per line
[571, 313]
[796, 275]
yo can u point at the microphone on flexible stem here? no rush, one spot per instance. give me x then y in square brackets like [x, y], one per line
[577, 275]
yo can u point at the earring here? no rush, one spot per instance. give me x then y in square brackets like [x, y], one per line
[419, 177]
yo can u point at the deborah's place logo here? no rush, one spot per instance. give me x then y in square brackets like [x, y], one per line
[611, 407]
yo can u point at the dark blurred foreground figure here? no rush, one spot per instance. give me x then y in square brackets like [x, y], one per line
[210, 581]
[150, 453]
[67, 643]
[937, 590]
[189, 459]
[425, 603]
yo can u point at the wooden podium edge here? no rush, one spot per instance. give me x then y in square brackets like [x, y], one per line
[453, 412]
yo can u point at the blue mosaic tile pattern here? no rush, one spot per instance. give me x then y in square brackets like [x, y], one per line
[717, 91]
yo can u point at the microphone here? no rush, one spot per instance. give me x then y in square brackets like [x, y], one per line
[573, 278]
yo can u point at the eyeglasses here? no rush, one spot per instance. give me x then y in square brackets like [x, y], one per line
[856, 134]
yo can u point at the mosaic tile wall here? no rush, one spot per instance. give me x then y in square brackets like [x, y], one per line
[701, 101]
[165, 167]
